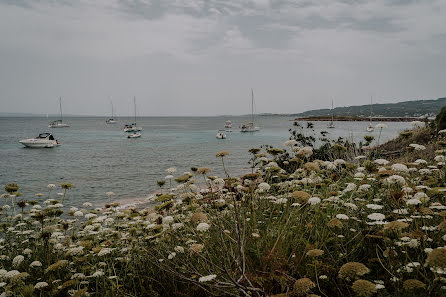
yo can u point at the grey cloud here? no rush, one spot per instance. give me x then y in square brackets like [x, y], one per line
[186, 57]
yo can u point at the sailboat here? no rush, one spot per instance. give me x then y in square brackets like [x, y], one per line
[59, 123]
[111, 120]
[250, 127]
[132, 127]
[370, 128]
[331, 125]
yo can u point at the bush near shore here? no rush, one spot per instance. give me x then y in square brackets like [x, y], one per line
[302, 222]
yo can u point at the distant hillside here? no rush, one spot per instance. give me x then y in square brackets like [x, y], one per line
[415, 108]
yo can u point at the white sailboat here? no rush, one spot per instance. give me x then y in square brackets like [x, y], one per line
[370, 128]
[59, 123]
[331, 125]
[133, 128]
[111, 120]
[250, 126]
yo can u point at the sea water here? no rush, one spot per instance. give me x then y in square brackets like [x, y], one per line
[97, 157]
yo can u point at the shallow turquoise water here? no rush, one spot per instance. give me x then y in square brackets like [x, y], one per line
[97, 157]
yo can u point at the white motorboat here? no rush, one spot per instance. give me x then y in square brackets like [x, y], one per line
[133, 127]
[250, 126]
[228, 124]
[111, 120]
[134, 135]
[331, 125]
[44, 140]
[370, 127]
[59, 123]
[221, 134]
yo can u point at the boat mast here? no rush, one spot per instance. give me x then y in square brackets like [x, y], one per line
[60, 106]
[134, 103]
[332, 116]
[111, 102]
[252, 106]
[370, 110]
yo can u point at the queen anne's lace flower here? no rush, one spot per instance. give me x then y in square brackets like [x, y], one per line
[376, 216]
[40, 285]
[18, 260]
[207, 278]
[314, 200]
[203, 227]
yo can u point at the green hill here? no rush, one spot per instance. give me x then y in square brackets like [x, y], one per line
[414, 108]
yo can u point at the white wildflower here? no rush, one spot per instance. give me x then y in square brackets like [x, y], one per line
[376, 216]
[203, 227]
[78, 275]
[207, 278]
[342, 216]
[40, 285]
[78, 213]
[168, 220]
[314, 200]
[395, 179]
[105, 251]
[171, 170]
[374, 206]
[35, 264]
[97, 273]
[264, 187]
[413, 202]
[171, 255]
[400, 168]
[291, 142]
[18, 260]
[381, 162]
[179, 249]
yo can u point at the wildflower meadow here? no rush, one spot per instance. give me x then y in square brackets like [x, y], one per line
[337, 219]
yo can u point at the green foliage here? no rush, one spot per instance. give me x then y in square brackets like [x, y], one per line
[440, 120]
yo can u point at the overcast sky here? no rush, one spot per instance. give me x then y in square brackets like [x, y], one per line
[202, 57]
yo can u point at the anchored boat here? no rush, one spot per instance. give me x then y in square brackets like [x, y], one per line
[59, 123]
[44, 140]
[250, 126]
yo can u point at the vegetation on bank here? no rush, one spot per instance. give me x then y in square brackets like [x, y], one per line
[354, 119]
[336, 219]
[413, 108]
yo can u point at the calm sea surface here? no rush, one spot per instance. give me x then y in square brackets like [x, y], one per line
[97, 157]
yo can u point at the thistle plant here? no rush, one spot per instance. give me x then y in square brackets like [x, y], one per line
[65, 187]
[221, 155]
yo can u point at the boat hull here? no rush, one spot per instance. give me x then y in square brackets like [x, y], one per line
[255, 129]
[136, 135]
[59, 126]
[34, 143]
[133, 129]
